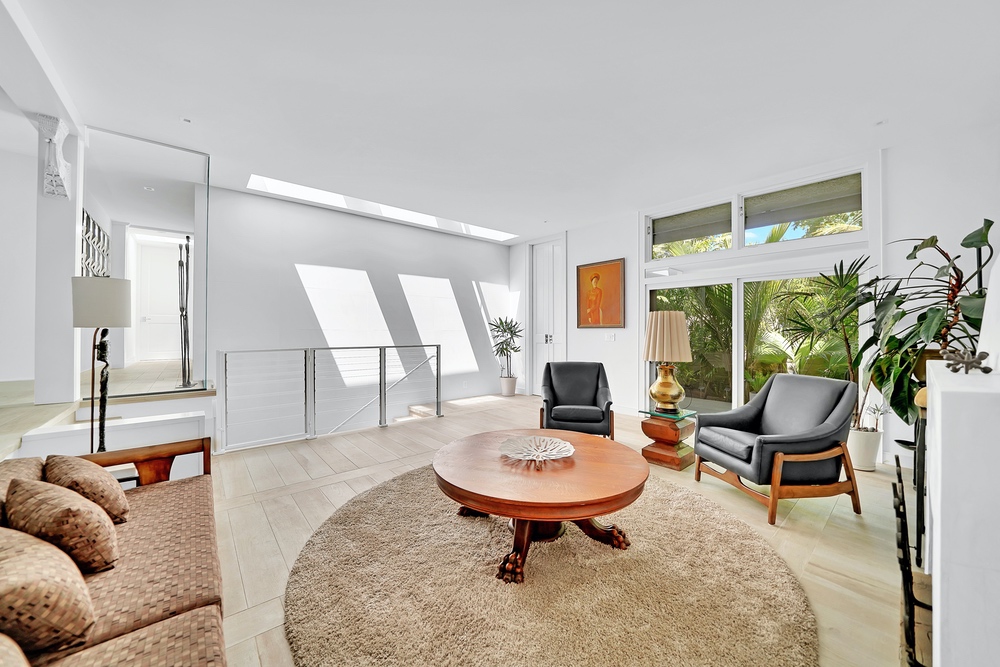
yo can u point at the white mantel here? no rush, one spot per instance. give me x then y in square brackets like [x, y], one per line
[963, 447]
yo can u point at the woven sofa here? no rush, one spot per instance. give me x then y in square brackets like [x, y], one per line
[161, 603]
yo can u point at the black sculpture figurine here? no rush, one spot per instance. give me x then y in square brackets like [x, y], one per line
[102, 355]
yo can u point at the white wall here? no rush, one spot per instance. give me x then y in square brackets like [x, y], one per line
[18, 184]
[257, 299]
[619, 238]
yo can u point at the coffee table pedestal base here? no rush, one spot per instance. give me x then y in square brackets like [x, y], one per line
[667, 448]
[511, 568]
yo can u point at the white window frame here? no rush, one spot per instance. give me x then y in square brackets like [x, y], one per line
[797, 258]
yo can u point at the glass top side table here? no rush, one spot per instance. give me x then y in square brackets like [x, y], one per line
[668, 432]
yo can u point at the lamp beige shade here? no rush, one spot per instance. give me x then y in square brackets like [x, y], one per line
[667, 337]
[102, 302]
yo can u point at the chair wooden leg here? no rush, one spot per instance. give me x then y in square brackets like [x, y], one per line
[781, 490]
[772, 503]
[612, 435]
[852, 478]
[541, 417]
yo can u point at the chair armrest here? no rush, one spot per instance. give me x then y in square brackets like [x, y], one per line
[154, 461]
[814, 440]
[743, 418]
[604, 399]
[548, 397]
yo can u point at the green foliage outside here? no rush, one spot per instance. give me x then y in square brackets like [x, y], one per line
[787, 323]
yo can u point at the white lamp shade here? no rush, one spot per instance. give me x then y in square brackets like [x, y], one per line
[667, 337]
[102, 302]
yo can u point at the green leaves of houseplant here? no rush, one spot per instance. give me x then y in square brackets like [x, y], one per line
[933, 306]
[505, 333]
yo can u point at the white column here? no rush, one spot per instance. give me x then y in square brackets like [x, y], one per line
[961, 447]
[57, 346]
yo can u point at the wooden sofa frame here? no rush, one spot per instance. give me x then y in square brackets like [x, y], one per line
[154, 461]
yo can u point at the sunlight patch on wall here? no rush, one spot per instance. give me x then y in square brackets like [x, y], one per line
[439, 321]
[349, 315]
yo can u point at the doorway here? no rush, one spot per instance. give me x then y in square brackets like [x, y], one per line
[547, 322]
[158, 333]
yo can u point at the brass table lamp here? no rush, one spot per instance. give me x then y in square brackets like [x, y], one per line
[667, 341]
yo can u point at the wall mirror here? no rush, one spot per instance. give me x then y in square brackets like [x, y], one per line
[146, 219]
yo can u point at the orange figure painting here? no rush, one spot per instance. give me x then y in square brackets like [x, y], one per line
[600, 294]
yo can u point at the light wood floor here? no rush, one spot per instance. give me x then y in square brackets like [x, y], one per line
[270, 500]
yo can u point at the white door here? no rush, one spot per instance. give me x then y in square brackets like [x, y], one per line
[159, 330]
[548, 308]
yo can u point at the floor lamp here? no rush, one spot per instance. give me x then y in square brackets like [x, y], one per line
[101, 302]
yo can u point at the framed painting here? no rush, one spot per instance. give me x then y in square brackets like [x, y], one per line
[600, 295]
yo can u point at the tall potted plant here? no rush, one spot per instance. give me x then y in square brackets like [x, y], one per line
[830, 307]
[935, 307]
[505, 333]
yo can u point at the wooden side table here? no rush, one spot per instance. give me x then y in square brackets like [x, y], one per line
[668, 448]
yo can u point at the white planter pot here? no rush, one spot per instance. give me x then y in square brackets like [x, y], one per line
[863, 447]
[507, 386]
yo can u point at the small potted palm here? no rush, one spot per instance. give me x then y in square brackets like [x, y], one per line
[505, 333]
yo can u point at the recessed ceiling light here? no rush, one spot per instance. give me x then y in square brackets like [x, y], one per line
[353, 205]
[148, 189]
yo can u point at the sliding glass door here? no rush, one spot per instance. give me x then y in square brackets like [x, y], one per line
[707, 379]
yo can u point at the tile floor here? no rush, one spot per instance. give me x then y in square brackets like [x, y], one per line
[269, 501]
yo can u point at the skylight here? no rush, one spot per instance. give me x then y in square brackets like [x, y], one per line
[304, 193]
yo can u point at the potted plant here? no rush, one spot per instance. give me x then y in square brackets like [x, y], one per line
[829, 307]
[934, 308]
[864, 440]
[505, 333]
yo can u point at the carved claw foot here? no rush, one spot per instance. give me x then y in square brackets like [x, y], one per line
[618, 539]
[611, 535]
[468, 511]
[512, 568]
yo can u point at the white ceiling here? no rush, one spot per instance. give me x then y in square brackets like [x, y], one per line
[508, 114]
[16, 133]
[118, 171]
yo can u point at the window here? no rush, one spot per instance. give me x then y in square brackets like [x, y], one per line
[745, 274]
[786, 330]
[707, 380]
[704, 230]
[818, 209]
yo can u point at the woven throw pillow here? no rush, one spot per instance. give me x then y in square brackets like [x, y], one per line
[66, 519]
[89, 480]
[11, 654]
[17, 469]
[45, 602]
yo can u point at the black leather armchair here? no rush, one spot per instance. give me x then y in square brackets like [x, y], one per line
[792, 435]
[576, 397]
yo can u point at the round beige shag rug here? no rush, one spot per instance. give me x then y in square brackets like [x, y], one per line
[396, 577]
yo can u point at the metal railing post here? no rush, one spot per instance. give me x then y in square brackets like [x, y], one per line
[310, 393]
[381, 387]
[437, 374]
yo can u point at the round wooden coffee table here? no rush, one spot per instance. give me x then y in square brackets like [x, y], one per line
[601, 477]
